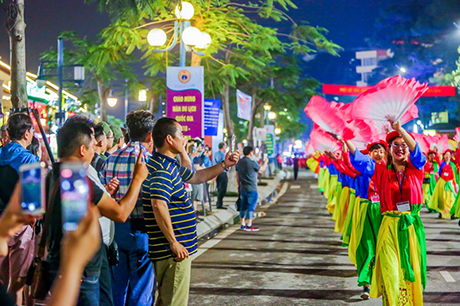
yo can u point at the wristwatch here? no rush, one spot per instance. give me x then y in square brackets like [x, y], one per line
[223, 166]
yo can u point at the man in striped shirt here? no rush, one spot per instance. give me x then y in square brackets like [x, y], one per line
[169, 215]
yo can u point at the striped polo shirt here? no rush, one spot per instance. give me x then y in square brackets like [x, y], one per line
[166, 182]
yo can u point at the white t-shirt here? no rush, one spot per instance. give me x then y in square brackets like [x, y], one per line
[107, 225]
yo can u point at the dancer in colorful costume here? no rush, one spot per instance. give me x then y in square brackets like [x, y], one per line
[400, 263]
[334, 185]
[431, 177]
[445, 192]
[367, 214]
[346, 178]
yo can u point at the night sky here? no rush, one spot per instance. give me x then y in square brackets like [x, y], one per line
[348, 22]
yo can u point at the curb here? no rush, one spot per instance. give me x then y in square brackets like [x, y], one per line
[223, 218]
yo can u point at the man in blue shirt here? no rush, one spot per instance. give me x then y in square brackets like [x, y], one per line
[170, 219]
[222, 179]
[21, 247]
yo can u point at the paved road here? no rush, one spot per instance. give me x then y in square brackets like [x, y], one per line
[297, 259]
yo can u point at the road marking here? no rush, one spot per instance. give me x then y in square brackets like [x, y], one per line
[448, 278]
[212, 242]
[295, 187]
[225, 233]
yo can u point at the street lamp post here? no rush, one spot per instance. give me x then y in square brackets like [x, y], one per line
[267, 108]
[191, 38]
[77, 78]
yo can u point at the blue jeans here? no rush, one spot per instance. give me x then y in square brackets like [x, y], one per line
[105, 283]
[89, 286]
[248, 204]
[89, 291]
[134, 268]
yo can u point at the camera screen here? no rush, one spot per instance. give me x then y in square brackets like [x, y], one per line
[74, 192]
[31, 190]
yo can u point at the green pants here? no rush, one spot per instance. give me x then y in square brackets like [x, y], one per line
[173, 281]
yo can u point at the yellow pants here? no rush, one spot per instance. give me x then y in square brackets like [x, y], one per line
[173, 281]
[357, 225]
[342, 209]
[388, 277]
[442, 199]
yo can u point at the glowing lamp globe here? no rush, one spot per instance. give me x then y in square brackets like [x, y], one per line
[271, 115]
[204, 41]
[187, 11]
[191, 36]
[112, 102]
[267, 107]
[156, 37]
[277, 131]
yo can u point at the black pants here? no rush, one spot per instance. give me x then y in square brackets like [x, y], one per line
[296, 172]
[222, 182]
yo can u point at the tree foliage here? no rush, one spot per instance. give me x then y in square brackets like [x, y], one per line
[104, 63]
[243, 52]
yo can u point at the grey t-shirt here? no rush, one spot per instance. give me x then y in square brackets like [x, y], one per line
[247, 173]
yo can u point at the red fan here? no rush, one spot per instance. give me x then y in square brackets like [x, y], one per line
[442, 143]
[327, 117]
[322, 141]
[422, 142]
[412, 113]
[364, 132]
[390, 99]
[309, 149]
[457, 134]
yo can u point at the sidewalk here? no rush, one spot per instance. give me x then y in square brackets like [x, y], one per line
[223, 217]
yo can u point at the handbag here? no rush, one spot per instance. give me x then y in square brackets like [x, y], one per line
[39, 275]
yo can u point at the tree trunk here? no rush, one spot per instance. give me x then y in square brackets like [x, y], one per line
[226, 107]
[226, 103]
[103, 95]
[252, 122]
[15, 26]
[262, 117]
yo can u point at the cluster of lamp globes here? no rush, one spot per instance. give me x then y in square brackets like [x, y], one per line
[191, 36]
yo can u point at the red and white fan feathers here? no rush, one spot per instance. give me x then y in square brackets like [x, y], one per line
[327, 117]
[391, 99]
[457, 134]
[322, 141]
[422, 141]
[364, 132]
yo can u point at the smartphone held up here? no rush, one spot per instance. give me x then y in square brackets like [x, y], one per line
[32, 177]
[74, 194]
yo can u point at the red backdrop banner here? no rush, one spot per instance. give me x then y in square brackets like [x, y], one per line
[350, 90]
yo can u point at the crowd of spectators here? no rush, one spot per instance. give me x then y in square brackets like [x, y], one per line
[134, 243]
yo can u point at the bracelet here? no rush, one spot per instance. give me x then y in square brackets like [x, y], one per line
[223, 166]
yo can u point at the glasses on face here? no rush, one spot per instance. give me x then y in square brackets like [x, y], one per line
[397, 146]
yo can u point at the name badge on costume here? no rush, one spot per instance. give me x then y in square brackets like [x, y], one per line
[403, 206]
[446, 174]
[375, 198]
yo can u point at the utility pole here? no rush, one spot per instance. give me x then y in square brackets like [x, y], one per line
[60, 62]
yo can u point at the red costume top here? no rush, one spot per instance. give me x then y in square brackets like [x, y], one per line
[395, 186]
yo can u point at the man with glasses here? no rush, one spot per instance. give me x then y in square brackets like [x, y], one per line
[15, 265]
[5, 138]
